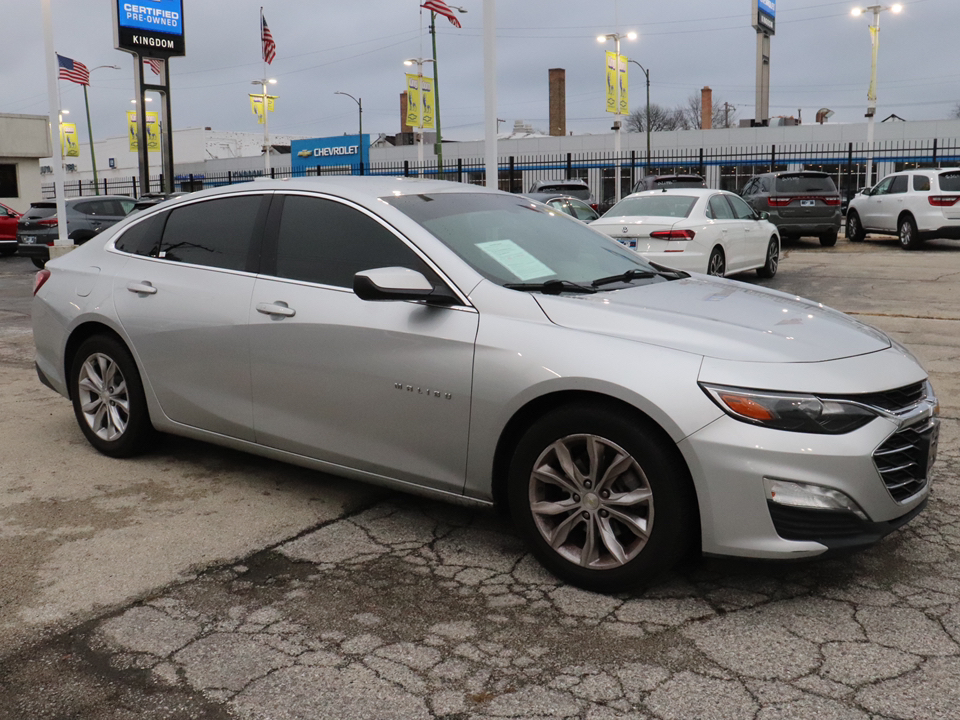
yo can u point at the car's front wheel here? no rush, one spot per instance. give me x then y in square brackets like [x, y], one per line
[855, 232]
[601, 502]
[108, 398]
[716, 264]
[769, 268]
[909, 235]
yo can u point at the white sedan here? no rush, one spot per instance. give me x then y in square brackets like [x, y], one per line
[697, 230]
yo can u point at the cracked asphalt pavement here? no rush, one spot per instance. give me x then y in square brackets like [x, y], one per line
[330, 599]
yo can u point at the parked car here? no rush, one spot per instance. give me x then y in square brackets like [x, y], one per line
[670, 182]
[8, 230]
[378, 328]
[569, 205]
[799, 203]
[704, 231]
[86, 217]
[552, 188]
[914, 205]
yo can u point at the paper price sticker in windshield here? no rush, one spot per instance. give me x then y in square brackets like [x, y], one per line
[515, 259]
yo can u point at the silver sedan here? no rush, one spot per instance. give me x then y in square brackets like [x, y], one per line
[476, 346]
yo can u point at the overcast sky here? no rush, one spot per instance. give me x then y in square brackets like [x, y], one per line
[820, 57]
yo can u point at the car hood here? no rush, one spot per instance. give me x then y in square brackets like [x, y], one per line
[718, 318]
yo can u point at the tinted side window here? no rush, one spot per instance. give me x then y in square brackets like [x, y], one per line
[143, 238]
[327, 242]
[921, 183]
[740, 209]
[899, 184]
[719, 209]
[884, 187]
[216, 233]
[91, 207]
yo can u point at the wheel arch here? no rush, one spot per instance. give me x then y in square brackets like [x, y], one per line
[77, 337]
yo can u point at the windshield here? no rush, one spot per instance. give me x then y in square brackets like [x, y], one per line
[511, 240]
[662, 205]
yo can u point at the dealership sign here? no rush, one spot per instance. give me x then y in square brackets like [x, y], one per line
[329, 152]
[765, 16]
[149, 28]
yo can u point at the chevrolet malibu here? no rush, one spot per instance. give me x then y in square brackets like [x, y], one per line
[472, 345]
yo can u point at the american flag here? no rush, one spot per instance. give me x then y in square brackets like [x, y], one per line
[73, 70]
[156, 64]
[269, 46]
[441, 8]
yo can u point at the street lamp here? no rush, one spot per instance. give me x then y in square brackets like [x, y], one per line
[93, 154]
[872, 90]
[263, 82]
[419, 63]
[647, 74]
[616, 123]
[436, 82]
[359, 102]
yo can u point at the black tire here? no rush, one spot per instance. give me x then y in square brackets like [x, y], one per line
[7, 252]
[854, 231]
[717, 263]
[38, 263]
[558, 519]
[769, 268]
[121, 428]
[908, 233]
[829, 239]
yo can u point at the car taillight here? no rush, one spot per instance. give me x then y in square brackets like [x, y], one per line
[595, 206]
[40, 279]
[943, 200]
[831, 200]
[672, 234]
[779, 202]
[48, 222]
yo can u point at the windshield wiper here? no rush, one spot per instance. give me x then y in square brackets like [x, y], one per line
[552, 287]
[637, 274]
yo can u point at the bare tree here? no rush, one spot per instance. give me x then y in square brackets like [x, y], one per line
[661, 119]
[956, 111]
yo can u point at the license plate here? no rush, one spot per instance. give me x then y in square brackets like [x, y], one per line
[807, 203]
[628, 242]
[28, 239]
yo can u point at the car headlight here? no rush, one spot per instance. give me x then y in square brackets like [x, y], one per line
[789, 411]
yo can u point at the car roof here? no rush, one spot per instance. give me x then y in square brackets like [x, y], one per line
[697, 192]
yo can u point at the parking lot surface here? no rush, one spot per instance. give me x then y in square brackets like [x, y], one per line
[197, 582]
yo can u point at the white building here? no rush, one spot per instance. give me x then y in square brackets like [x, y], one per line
[24, 139]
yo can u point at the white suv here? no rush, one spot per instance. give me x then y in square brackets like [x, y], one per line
[915, 205]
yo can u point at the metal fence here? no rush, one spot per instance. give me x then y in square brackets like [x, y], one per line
[727, 168]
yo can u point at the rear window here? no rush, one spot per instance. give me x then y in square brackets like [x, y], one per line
[802, 183]
[679, 182]
[678, 206]
[41, 210]
[950, 181]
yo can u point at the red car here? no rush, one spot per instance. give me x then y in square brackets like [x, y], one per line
[8, 230]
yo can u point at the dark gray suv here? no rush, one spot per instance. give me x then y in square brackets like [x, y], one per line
[38, 228]
[804, 202]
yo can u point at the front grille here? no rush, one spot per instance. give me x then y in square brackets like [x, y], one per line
[891, 400]
[902, 460]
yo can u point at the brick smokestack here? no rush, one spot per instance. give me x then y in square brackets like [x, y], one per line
[404, 128]
[558, 101]
[706, 108]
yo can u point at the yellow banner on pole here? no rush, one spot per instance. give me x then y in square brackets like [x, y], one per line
[624, 85]
[153, 131]
[256, 106]
[413, 100]
[611, 82]
[69, 145]
[427, 104]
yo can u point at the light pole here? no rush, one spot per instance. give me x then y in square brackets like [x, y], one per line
[93, 154]
[419, 63]
[647, 74]
[616, 123]
[359, 102]
[872, 90]
[436, 82]
[263, 82]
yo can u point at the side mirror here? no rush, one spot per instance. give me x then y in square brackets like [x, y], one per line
[764, 215]
[398, 283]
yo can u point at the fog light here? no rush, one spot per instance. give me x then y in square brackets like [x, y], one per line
[803, 495]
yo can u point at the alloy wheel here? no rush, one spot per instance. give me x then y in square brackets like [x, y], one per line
[104, 401]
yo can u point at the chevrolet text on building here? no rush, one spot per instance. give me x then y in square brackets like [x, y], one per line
[342, 150]
[336, 151]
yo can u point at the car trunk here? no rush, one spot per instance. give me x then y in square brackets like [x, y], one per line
[803, 195]
[635, 232]
[949, 197]
[38, 224]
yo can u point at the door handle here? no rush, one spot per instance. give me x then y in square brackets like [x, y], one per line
[143, 288]
[277, 308]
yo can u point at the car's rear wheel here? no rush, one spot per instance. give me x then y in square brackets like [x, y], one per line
[38, 263]
[769, 268]
[909, 235]
[599, 499]
[108, 398]
[829, 239]
[716, 264]
[855, 232]
[7, 252]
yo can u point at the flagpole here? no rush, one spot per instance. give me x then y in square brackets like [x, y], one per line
[266, 107]
[93, 154]
[436, 96]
